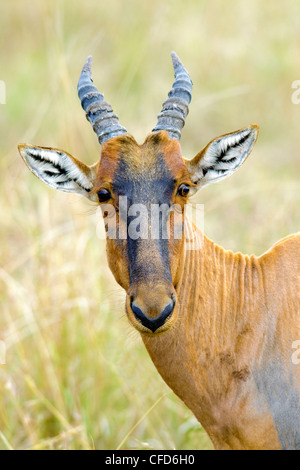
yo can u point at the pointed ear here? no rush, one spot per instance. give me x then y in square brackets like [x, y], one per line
[60, 170]
[222, 156]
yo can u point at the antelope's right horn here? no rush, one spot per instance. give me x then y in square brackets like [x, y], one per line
[100, 114]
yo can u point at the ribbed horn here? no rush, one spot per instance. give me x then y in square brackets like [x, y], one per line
[176, 107]
[100, 114]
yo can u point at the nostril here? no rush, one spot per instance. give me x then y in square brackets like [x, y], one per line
[136, 310]
[153, 323]
[167, 310]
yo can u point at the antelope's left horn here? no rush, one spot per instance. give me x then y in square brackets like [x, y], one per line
[100, 114]
[176, 107]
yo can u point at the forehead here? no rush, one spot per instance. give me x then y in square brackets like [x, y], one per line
[128, 167]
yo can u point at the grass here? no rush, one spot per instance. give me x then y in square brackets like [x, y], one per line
[76, 375]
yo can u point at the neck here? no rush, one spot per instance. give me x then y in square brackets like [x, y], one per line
[207, 356]
[219, 296]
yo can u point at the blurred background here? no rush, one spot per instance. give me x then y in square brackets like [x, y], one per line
[76, 375]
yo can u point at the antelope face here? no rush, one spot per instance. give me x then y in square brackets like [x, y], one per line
[142, 190]
[147, 187]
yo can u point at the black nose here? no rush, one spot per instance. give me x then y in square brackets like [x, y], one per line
[153, 323]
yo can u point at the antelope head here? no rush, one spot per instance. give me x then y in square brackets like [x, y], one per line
[151, 175]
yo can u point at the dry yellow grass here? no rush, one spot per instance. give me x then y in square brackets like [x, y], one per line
[76, 375]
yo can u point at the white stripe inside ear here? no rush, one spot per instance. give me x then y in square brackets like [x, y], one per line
[57, 169]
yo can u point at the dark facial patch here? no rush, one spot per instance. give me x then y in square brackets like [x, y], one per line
[146, 174]
[110, 157]
[144, 178]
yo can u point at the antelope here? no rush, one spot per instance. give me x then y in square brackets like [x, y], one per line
[219, 326]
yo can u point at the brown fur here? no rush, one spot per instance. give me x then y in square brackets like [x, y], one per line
[229, 308]
[226, 348]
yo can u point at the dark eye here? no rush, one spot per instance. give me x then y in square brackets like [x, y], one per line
[103, 195]
[183, 190]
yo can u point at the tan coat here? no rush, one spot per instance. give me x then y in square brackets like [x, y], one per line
[229, 354]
